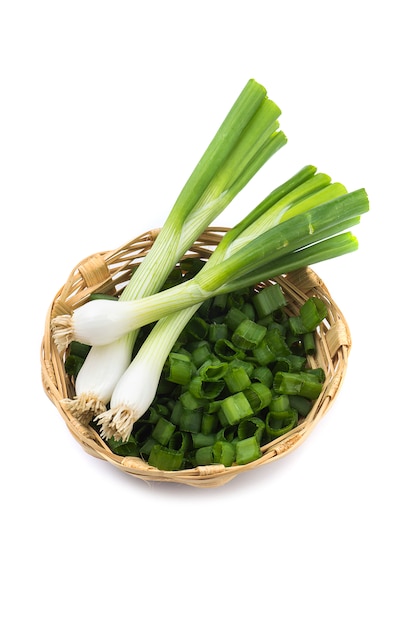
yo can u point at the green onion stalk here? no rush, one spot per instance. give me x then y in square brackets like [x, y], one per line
[245, 141]
[300, 223]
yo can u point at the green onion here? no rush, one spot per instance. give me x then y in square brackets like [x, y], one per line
[201, 353]
[180, 441]
[236, 377]
[217, 331]
[227, 433]
[163, 431]
[269, 300]
[204, 455]
[312, 313]
[248, 335]
[234, 408]
[207, 389]
[226, 350]
[247, 450]
[124, 448]
[197, 328]
[263, 375]
[209, 423]
[271, 347]
[178, 369]
[289, 363]
[165, 458]
[212, 370]
[279, 404]
[202, 440]
[308, 341]
[190, 421]
[223, 452]
[234, 318]
[147, 447]
[246, 139]
[251, 427]
[298, 384]
[303, 221]
[300, 404]
[278, 424]
[191, 402]
[259, 396]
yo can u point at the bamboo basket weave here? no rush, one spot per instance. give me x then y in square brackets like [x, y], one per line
[108, 272]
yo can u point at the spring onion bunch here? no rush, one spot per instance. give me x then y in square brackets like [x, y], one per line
[247, 138]
[302, 222]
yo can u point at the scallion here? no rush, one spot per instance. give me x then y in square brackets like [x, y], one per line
[246, 139]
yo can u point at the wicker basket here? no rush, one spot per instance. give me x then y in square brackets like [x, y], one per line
[108, 272]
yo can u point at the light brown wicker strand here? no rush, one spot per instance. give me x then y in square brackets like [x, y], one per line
[110, 272]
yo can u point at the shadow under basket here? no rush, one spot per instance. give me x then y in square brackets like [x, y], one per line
[108, 272]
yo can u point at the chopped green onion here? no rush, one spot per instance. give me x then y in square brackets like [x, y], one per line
[298, 384]
[251, 427]
[73, 365]
[236, 377]
[318, 372]
[227, 433]
[124, 448]
[278, 424]
[234, 318]
[177, 411]
[297, 326]
[308, 341]
[201, 440]
[223, 452]
[248, 335]
[204, 455]
[190, 421]
[217, 331]
[205, 389]
[179, 369]
[180, 441]
[147, 447]
[247, 450]
[197, 327]
[234, 408]
[213, 370]
[201, 353]
[263, 375]
[191, 402]
[219, 303]
[271, 347]
[227, 351]
[300, 404]
[279, 404]
[289, 363]
[268, 300]
[209, 423]
[166, 459]
[163, 431]
[312, 313]
[258, 395]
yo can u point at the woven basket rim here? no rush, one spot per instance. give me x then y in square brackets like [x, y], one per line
[109, 271]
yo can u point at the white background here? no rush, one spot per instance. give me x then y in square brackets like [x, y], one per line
[105, 109]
